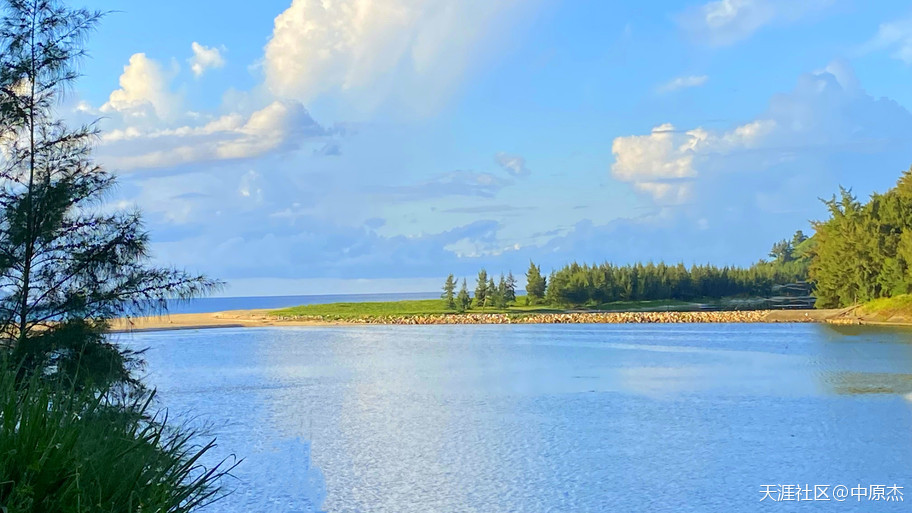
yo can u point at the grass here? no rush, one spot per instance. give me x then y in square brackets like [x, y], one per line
[887, 307]
[66, 452]
[346, 311]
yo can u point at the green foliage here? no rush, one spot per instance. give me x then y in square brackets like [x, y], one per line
[463, 300]
[579, 285]
[449, 293]
[590, 286]
[535, 285]
[887, 307]
[76, 431]
[510, 289]
[501, 297]
[63, 451]
[81, 354]
[491, 294]
[782, 251]
[65, 264]
[481, 289]
[864, 251]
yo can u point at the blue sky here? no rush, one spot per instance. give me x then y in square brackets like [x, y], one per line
[307, 146]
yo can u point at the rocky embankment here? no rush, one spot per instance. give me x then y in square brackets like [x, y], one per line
[750, 316]
[266, 318]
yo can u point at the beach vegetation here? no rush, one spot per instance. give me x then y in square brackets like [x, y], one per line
[863, 251]
[481, 289]
[449, 293]
[78, 430]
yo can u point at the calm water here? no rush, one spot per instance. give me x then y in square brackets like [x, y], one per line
[551, 418]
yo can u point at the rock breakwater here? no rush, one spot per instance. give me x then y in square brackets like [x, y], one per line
[747, 316]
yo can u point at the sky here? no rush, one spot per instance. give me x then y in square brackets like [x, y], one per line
[350, 146]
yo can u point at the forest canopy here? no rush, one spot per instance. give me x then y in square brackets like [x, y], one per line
[864, 251]
[584, 284]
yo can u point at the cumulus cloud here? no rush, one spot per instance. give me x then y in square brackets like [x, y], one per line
[827, 113]
[371, 49]
[683, 83]
[658, 163]
[144, 93]
[723, 22]
[513, 164]
[748, 186]
[662, 163]
[205, 58]
[280, 125]
[894, 36]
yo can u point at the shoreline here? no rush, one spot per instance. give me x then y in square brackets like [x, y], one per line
[263, 318]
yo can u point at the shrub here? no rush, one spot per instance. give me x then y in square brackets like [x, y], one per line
[64, 451]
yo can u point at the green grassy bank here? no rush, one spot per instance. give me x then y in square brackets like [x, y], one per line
[888, 309]
[347, 311]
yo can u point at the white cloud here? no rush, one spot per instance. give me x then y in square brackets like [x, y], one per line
[682, 83]
[724, 22]
[513, 164]
[205, 58]
[373, 49]
[663, 163]
[827, 112]
[656, 163]
[280, 125]
[895, 36]
[144, 92]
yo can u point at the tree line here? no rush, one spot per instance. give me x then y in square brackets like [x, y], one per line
[863, 251]
[584, 284]
[487, 293]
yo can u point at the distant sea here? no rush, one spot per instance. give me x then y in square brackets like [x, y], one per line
[218, 304]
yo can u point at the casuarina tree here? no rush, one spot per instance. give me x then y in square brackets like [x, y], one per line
[481, 289]
[68, 262]
[535, 285]
[449, 293]
[510, 289]
[463, 299]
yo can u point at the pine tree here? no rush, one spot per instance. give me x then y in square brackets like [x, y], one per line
[782, 251]
[864, 251]
[491, 298]
[463, 300]
[798, 238]
[535, 285]
[481, 289]
[449, 293]
[502, 292]
[510, 290]
[66, 265]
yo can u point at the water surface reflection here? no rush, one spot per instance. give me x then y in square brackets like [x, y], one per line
[546, 418]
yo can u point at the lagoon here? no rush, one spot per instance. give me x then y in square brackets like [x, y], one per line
[536, 418]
